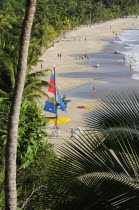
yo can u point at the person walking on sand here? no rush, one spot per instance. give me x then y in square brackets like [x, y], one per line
[94, 89]
[130, 67]
[72, 132]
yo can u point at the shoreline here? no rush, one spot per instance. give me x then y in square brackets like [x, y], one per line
[75, 44]
[112, 69]
[68, 63]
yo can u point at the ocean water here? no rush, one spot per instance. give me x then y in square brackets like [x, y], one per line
[114, 68]
[130, 40]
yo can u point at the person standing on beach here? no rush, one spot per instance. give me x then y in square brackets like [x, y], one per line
[130, 67]
[94, 89]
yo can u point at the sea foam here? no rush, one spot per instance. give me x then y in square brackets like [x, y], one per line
[130, 39]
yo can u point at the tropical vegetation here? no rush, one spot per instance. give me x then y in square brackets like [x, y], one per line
[13, 121]
[100, 169]
[97, 171]
[51, 20]
[34, 153]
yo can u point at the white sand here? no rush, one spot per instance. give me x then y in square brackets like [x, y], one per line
[95, 36]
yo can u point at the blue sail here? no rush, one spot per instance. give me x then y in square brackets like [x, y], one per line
[62, 105]
[50, 107]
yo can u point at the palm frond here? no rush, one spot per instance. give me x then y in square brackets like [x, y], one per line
[35, 92]
[7, 73]
[99, 170]
[31, 86]
[35, 84]
[38, 74]
[113, 108]
[3, 85]
[3, 94]
[109, 175]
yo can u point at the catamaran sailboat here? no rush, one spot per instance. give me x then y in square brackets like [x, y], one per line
[52, 104]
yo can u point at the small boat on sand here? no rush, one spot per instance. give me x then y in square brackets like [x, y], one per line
[117, 52]
[97, 65]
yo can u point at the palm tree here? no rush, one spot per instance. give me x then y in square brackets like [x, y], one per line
[100, 169]
[8, 70]
[11, 144]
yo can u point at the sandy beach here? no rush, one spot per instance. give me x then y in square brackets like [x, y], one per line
[83, 40]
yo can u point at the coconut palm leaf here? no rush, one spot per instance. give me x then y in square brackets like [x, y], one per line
[99, 170]
[38, 74]
[34, 53]
[10, 70]
[113, 108]
[99, 176]
[2, 84]
[35, 86]
[36, 94]
[33, 96]
[4, 95]
[8, 65]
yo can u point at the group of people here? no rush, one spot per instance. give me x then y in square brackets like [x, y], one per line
[82, 57]
[59, 55]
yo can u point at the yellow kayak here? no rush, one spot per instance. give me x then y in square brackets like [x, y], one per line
[85, 107]
[59, 120]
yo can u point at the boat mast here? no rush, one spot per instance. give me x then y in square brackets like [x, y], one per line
[55, 97]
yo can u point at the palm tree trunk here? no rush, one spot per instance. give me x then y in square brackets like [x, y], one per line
[11, 145]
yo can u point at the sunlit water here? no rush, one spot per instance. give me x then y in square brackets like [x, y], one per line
[130, 39]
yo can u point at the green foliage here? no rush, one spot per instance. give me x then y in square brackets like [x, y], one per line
[52, 18]
[123, 105]
[99, 170]
[32, 134]
[1, 186]
[55, 16]
[34, 153]
[4, 110]
[79, 180]
[33, 180]
[8, 68]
